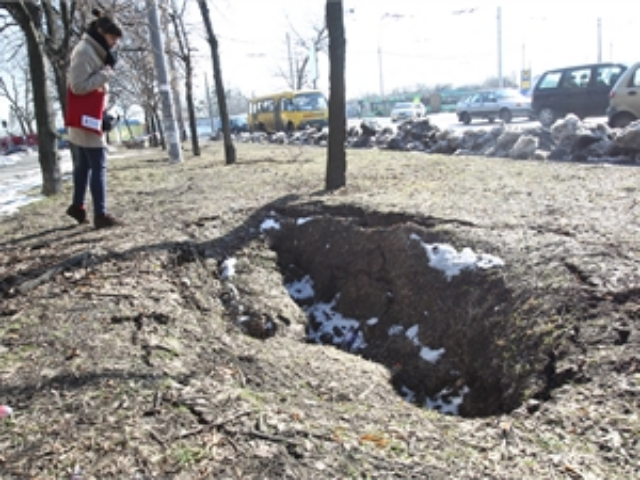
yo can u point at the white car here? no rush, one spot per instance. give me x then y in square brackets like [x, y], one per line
[407, 110]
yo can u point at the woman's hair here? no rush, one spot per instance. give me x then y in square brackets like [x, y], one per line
[105, 23]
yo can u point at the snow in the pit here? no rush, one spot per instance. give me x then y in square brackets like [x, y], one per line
[269, 224]
[448, 260]
[302, 221]
[301, 289]
[330, 320]
[443, 402]
[428, 354]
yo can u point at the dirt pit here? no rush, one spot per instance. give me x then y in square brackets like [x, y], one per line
[412, 295]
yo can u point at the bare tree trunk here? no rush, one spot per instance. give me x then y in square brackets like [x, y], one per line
[195, 143]
[336, 154]
[159, 130]
[58, 50]
[229, 149]
[302, 73]
[20, 120]
[126, 122]
[185, 55]
[27, 15]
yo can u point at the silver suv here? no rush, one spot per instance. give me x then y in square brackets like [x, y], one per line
[624, 99]
[504, 104]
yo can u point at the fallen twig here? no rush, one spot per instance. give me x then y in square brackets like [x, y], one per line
[29, 285]
[273, 438]
[216, 424]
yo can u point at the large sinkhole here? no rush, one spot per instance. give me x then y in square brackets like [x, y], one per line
[410, 295]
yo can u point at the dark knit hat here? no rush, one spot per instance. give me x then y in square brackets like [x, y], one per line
[105, 23]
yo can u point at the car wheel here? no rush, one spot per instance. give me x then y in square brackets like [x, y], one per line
[505, 115]
[622, 120]
[546, 117]
[465, 118]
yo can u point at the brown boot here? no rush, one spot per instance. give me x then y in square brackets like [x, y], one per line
[79, 213]
[106, 221]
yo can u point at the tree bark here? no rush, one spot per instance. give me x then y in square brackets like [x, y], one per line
[229, 149]
[195, 143]
[28, 17]
[336, 154]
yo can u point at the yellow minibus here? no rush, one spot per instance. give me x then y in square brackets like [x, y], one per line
[288, 111]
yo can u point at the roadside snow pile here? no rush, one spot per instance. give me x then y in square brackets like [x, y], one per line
[569, 139]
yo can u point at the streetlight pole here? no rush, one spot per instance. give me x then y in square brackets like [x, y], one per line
[168, 112]
[380, 69]
[499, 18]
[599, 40]
[393, 16]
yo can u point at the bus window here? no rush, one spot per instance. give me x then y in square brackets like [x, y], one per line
[287, 105]
[309, 102]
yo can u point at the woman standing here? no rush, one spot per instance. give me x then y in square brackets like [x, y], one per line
[92, 62]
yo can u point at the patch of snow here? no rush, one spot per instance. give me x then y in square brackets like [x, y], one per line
[412, 334]
[372, 321]
[445, 403]
[396, 330]
[431, 355]
[270, 224]
[353, 341]
[407, 394]
[301, 289]
[445, 258]
[228, 268]
[302, 221]
[489, 261]
[330, 321]
[426, 353]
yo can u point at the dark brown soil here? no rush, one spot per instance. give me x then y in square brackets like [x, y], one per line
[130, 353]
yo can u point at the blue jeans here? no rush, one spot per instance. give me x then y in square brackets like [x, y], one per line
[91, 169]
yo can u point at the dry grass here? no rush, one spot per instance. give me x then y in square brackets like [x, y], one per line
[120, 356]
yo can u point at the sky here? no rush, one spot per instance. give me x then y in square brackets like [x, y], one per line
[454, 42]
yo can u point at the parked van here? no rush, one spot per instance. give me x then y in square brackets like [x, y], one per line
[288, 111]
[582, 90]
[624, 100]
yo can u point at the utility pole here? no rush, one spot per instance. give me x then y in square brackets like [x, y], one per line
[168, 114]
[291, 75]
[599, 40]
[380, 69]
[500, 79]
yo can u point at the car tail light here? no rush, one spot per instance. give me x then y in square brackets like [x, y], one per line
[612, 94]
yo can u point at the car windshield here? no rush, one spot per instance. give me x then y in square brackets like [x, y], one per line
[509, 94]
[309, 101]
[399, 106]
